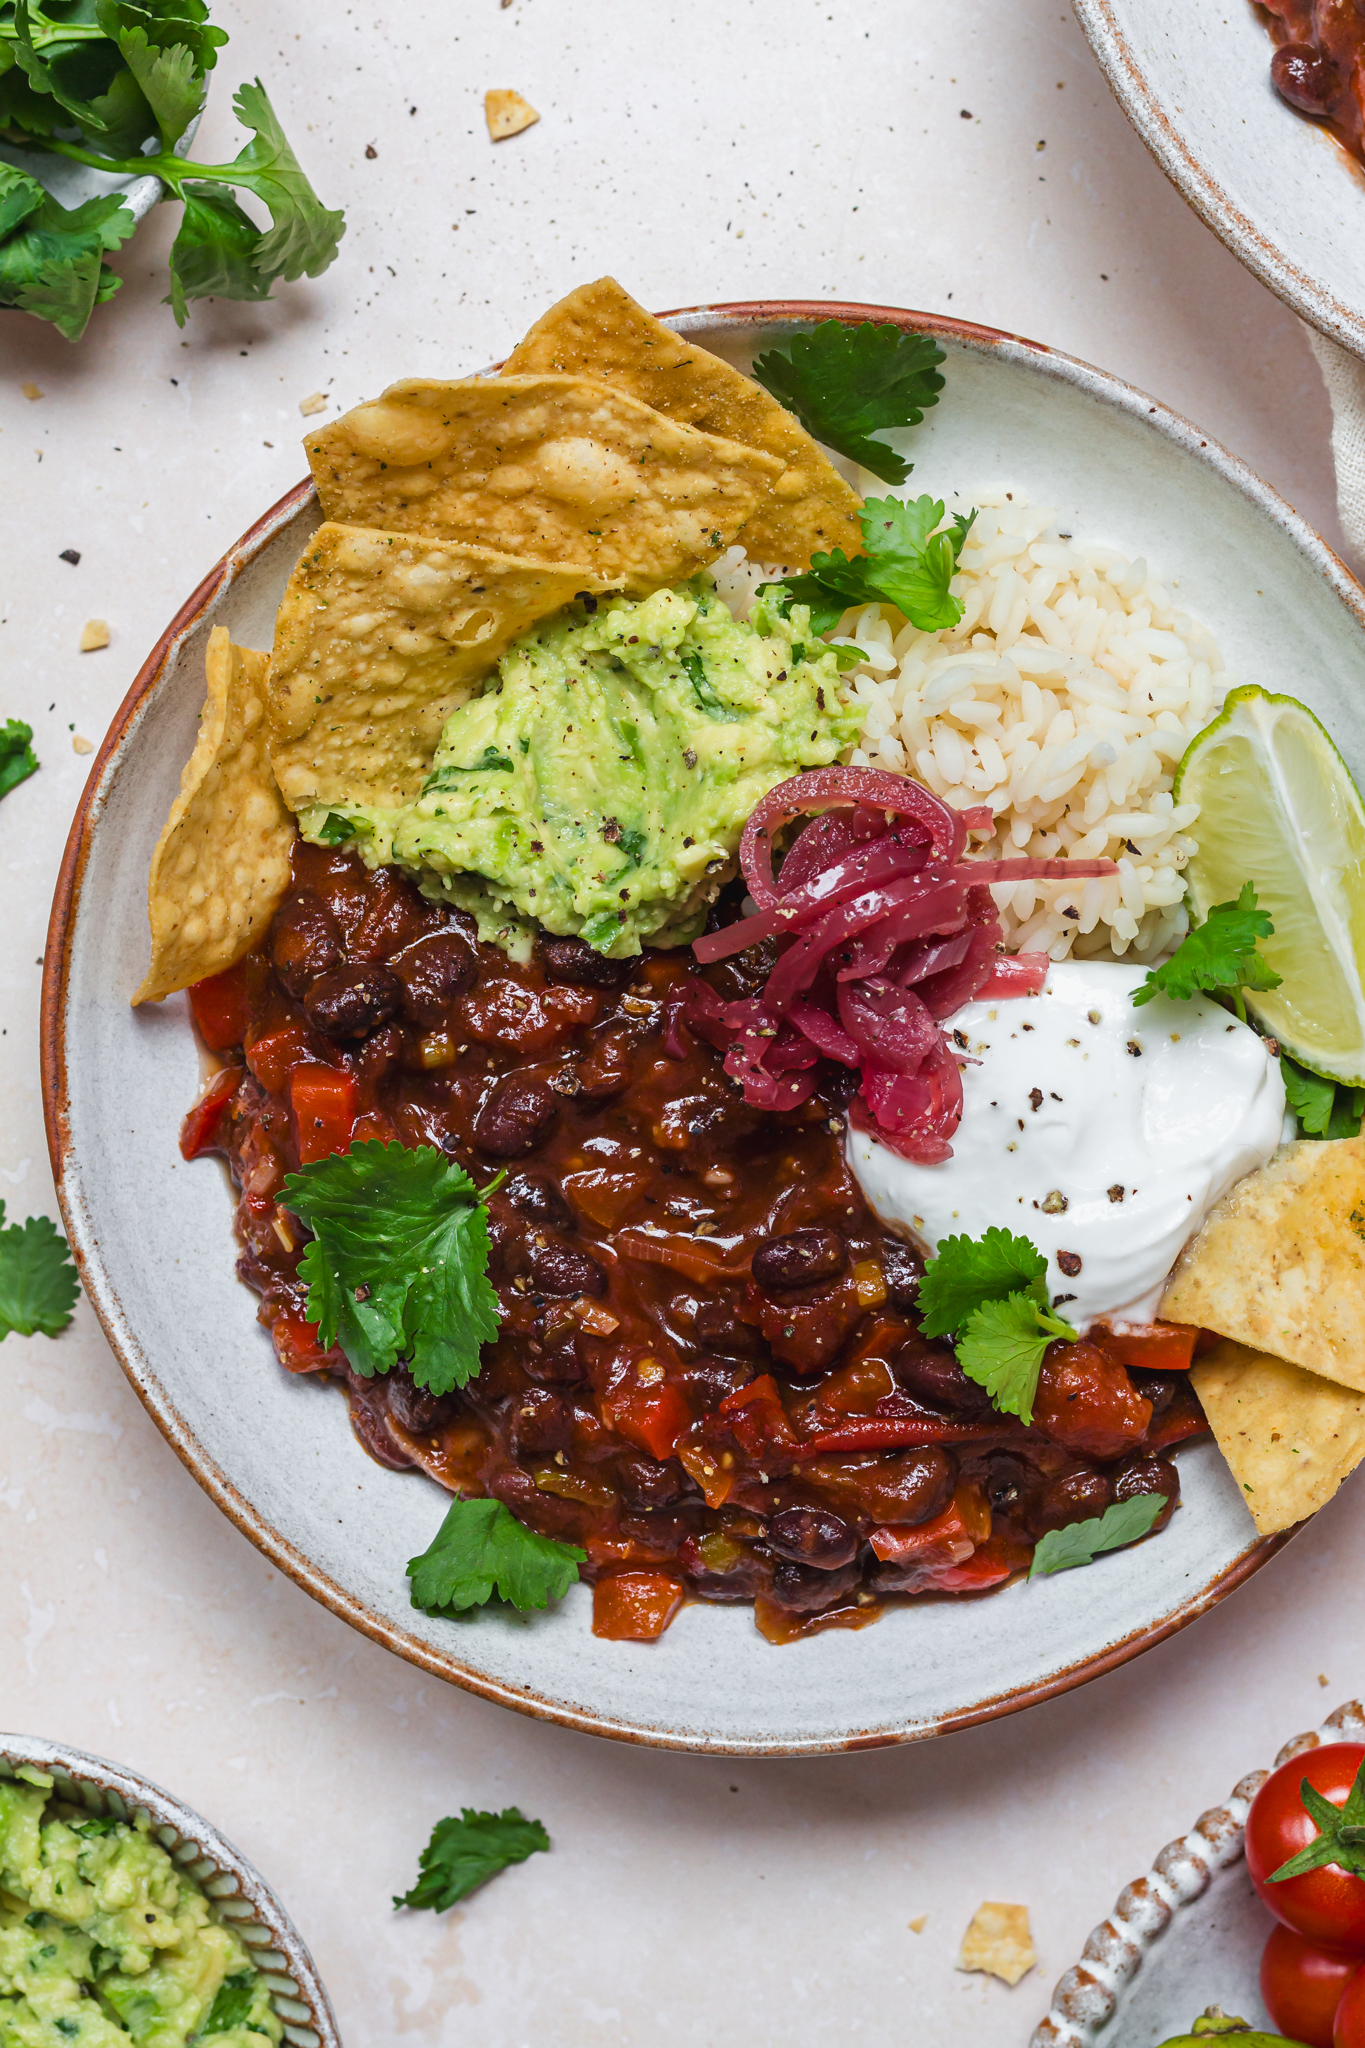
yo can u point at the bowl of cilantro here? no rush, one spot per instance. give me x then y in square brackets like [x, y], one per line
[97, 109]
[473, 1599]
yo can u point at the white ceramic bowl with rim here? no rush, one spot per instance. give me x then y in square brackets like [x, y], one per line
[1193, 77]
[238, 1894]
[153, 1236]
[1186, 1935]
[71, 184]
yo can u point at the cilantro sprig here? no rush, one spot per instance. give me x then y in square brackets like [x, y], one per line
[1061, 1550]
[38, 1284]
[398, 1263]
[1216, 956]
[908, 564]
[481, 1549]
[1324, 1109]
[989, 1293]
[846, 383]
[463, 1854]
[17, 758]
[129, 77]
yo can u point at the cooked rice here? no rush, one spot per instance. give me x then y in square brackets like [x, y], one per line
[1065, 698]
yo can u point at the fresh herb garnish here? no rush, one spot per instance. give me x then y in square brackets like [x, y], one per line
[463, 1854]
[481, 1548]
[335, 829]
[1061, 1550]
[232, 2004]
[1325, 1109]
[398, 1263]
[633, 844]
[907, 564]
[38, 1284]
[1218, 954]
[844, 383]
[989, 1293]
[704, 690]
[129, 76]
[17, 758]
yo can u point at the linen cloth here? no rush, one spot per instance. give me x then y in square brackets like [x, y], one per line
[1344, 375]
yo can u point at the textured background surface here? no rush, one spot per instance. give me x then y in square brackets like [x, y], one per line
[707, 151]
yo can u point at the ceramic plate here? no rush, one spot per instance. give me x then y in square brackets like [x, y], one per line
[154, 1236]
[1186, 1935]
[1193, 77]
[239, 1893]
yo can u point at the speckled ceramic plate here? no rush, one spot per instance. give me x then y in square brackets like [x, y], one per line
[1193, 77]
[1186, 1935]
[239, 1894]
[154, 1236]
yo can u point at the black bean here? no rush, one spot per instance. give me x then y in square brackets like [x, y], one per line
[350, 1002]
[542, 1423]
[433, 973]
[1304, 77]
[1156, 1387]
[743, 1579]
[912, 1486]
[575, 962]
[559, 1362]
[708, 1380]
[812, 1536]
[1010, 1485]
[1147, 1473]
[644, 1483]
[902, 1269]
[305, 941]
[1072, 1497]
[606, 1066]
[516, 1117]
[559, 1269]
[415, 1408]
[538, 1198]
[934, 1375]
[803, 1258]
[803, 1590]
[718, 1327]
[371, 1428]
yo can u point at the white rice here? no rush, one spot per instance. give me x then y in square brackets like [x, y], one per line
[1065, 698]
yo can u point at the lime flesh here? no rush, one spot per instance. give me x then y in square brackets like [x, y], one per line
[1278, 807]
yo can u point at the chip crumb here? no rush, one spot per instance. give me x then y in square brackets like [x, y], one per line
[917, 1924]
[94, 634]
[507, 113]
[316, 401]
[81, 745]
[1323, 1678]
[30, 391]
[998, 1942]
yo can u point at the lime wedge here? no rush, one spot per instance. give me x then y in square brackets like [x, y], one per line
[1277, 807]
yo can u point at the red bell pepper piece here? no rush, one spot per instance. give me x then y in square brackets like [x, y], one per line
[634, 1607]
[324, 1104]
[757, 1420]
[878, 1434]
[297, 1346]
[653, 1416]
[273, 1057]
[1153, 1347]
[219, 1004]
[200, 1127]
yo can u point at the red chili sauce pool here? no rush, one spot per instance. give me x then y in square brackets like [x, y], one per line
[1319, 66]
[709, 1373]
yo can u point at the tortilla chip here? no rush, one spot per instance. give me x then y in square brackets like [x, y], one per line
[1280, 1264]
[998, 1941]
[599, 330]
[563, 469]
[378, 638]
[507, 113]
[1289, 1436]
[221, 864]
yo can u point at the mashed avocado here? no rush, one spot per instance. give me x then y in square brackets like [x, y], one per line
[103, 1941]
[600, 783]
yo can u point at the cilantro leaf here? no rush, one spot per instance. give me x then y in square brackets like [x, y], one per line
[20, 196]
[17, 758]
[1001, 1347]
[463, 1854]
[232, 2004]
[1218, 954]
[1061, 1550]
[1325, 1109]
[843, 383]
[968, 1271]
[38, 1284]
[305, 236]
[397, 1266]
[907, 564]
[214, 254]
[52, 264]
[481, 1548]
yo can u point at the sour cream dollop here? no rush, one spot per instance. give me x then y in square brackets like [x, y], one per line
[1102, 1132]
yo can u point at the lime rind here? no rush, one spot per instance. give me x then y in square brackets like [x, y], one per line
[1279, 807]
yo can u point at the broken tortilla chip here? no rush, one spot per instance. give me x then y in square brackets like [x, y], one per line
[1290, 1437]
[600, 331]
[1280, 1264]
[221, 864]
[507, 113]
[379, 636]
[998, 1941]
[563, 469]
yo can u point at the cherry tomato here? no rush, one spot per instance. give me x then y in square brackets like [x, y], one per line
[1326, 1905]
[1349, 2028]
[1302, 1985]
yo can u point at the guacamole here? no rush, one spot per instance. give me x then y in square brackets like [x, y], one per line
[104, 1941]
[600, 783]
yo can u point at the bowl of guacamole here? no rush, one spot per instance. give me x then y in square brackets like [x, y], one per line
[125, 1917]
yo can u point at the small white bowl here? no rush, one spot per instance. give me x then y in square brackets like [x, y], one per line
[239, 1895]
[1186, 1935]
